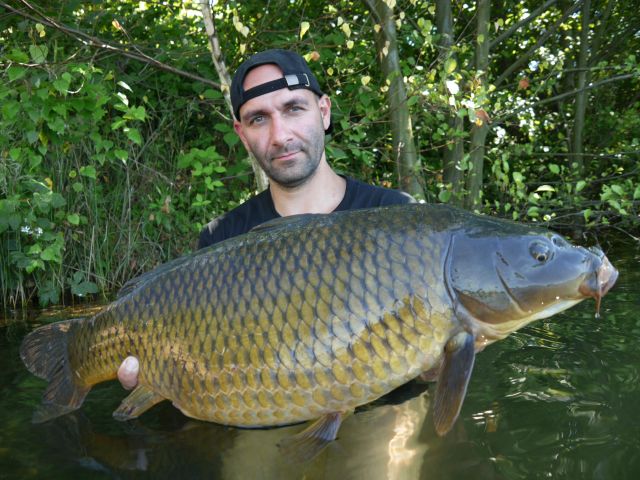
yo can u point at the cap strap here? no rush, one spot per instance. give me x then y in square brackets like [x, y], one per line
[292, 82]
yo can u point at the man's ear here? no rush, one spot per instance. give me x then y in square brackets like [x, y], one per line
[325, 110]
[237, 126]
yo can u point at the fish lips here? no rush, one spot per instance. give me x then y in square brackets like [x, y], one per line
[601, 281]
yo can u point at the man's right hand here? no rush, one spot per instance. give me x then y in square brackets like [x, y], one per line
[128, 372]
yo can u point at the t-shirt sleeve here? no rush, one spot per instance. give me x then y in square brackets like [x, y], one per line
[215, 231]
[241, 219]
[362, 195]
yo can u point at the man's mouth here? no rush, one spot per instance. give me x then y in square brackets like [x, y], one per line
[285, 156]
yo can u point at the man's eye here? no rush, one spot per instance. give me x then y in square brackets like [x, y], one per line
[256, 120]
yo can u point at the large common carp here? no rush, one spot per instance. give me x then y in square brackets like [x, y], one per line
[308, 317]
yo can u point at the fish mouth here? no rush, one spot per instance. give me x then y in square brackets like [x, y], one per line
[598, 284]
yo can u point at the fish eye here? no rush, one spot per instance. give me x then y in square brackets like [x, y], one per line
[539, 251]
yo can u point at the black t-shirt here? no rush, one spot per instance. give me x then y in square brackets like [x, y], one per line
[260, 209]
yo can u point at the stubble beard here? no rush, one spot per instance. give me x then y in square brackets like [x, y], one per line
[299, 171]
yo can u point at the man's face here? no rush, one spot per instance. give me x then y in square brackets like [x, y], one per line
[284, 129]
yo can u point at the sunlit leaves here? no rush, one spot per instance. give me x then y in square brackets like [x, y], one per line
[304, 28]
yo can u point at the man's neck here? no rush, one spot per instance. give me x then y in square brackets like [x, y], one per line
[321, 194]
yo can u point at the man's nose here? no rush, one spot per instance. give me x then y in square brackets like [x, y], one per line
[280, 131]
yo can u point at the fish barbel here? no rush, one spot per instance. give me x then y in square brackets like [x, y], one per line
[308, 317]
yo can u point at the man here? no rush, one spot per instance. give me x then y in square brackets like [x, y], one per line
[281, 116]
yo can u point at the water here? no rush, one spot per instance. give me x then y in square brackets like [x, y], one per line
[559, 399]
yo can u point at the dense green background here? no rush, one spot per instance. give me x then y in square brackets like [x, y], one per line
[115, 150]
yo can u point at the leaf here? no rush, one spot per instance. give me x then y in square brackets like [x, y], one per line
[304, 27]
[18, 56]
[121, 155]
[452, 86]
[15, 73]
[553, 168]
[88, 171]
[444, 195]
[48, 294]
[57, 200]
[123, 98]
[231, 138]
[545, 188]
[38, 53]
[125, 86]
[346, 29]
[450, 65]
[134, 135]
[211, 94]
[618, 190]
[84, 288]
[10, 110]
[73, 219]
[51, 254]
[32, 136]
[580, 185]
[136, 113]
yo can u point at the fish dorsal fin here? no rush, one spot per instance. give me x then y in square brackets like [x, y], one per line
[286, 222]
[459, 356]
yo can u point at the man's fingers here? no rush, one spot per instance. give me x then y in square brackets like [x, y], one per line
[128, 372]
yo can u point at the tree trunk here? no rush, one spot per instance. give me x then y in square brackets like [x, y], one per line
[577, 146]
[404, 150]
[479, 131]
[454, 151]
[225, 81]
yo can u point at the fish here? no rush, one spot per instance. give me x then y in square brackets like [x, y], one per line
[310, 316]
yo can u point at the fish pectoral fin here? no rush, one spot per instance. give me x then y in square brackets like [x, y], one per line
[305, 445]
[138, 402]
[459, 355]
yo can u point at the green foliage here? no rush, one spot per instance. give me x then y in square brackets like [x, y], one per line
[110, 165]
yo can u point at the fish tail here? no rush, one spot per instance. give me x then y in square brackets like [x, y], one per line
[45, 354]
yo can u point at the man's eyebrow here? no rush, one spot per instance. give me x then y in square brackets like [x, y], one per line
[297, 100]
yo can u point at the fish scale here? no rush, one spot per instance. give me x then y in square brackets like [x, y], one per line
[345, 320]
[314, 315]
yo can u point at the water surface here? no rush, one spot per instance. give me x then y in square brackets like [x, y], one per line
[559, 399]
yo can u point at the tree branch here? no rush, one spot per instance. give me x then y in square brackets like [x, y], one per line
[262, 182]
[521, 24]
[543, 38]
[564, 95]
[102, 44]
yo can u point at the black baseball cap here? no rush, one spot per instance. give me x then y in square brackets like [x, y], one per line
[296, 74]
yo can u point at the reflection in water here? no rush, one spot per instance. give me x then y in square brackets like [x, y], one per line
[391, 439]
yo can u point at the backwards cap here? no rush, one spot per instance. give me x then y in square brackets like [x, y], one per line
[296, 74]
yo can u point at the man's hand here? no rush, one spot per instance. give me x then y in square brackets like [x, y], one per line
[128, 372]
